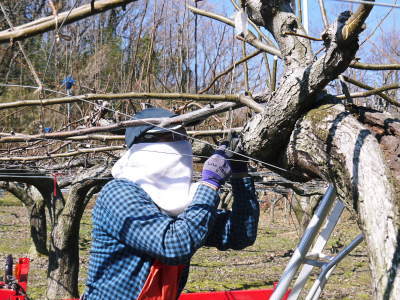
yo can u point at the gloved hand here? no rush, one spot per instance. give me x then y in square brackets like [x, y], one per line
[239, 164]
[217, 168]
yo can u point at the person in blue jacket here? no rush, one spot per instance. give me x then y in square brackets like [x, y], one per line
[68, 82]
[150, 219]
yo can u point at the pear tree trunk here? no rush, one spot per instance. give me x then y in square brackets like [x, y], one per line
[314, 136]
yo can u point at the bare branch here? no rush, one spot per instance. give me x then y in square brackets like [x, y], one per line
[27, 59]
[367, 87]
[323, 13]
[62, 155]
[248, 101]
[122, 96]
[197, 133]
[229, 70]
[49, 23]
[187, 118]
[303, 35]
[249, 38]
[372, 92]
[373, 67]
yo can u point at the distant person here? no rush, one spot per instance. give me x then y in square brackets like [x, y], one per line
[68, 82]
[150, 220]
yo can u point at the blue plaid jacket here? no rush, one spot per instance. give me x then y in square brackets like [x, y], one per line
[130, 232]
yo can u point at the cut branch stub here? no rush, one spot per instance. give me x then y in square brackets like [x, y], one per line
[355, 24]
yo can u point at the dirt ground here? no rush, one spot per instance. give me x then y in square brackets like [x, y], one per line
[256, 267]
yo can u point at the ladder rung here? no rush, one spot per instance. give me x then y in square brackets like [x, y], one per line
[315, 263]
[319, 256]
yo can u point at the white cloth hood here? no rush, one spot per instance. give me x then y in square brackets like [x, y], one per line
[163, 170]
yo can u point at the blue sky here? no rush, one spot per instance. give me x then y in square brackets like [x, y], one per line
[375, 22]
[333, 9]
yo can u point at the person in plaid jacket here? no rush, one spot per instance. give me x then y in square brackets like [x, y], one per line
[150, 219]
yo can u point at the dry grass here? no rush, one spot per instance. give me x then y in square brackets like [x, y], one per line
[258, 266]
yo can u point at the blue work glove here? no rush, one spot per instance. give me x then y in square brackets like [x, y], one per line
[217, 168]
[239, 164]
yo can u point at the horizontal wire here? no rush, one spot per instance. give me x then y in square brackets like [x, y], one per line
[369, 3]
[158, 126]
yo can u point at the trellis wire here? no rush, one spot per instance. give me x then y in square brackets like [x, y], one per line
[369, 3]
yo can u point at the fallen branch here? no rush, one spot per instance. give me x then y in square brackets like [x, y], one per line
[49, 23]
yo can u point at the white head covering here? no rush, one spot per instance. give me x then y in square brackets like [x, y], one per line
[164, 170]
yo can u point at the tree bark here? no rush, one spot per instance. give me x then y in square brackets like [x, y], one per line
[330, 143]
[300, 86]
[64, 246]
[35, 206]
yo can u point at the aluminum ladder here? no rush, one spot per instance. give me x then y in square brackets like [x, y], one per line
[315, 257]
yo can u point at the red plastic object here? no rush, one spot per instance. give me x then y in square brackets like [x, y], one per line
[232, 295]
[21, 275]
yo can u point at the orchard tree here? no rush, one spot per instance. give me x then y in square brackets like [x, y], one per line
[297, 124]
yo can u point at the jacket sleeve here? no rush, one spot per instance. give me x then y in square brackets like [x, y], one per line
[131, 218]
[237, 229]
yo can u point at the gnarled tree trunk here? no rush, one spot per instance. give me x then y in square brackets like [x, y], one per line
[64, 246]
[327, 141]
[35, 205]
[330, 143]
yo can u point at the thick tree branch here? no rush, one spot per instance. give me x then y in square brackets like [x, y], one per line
[198, 115]
[49, 23]
[122, 96]
[278, 17]
[355, 24]
[330, 142]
